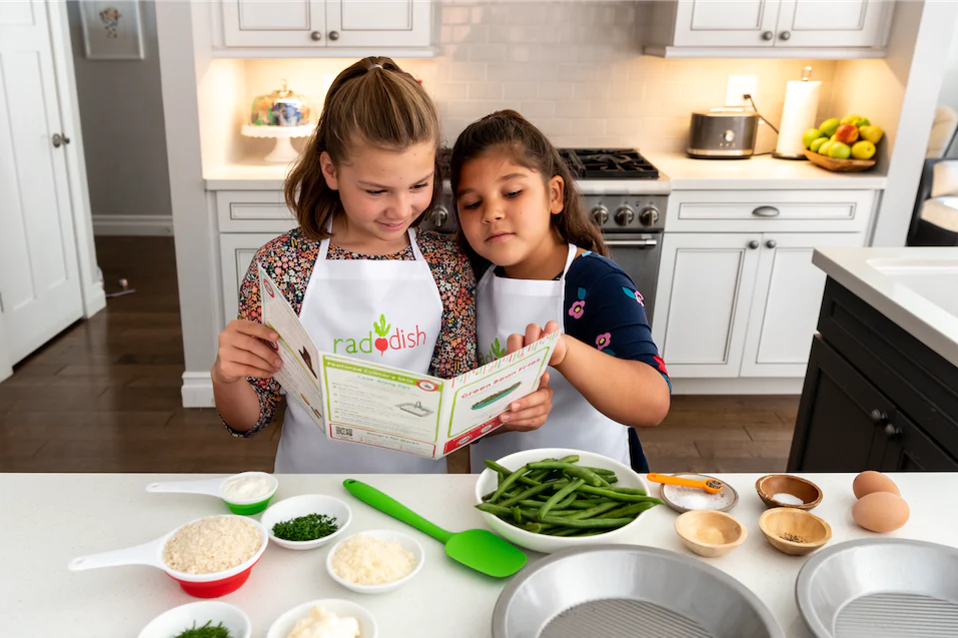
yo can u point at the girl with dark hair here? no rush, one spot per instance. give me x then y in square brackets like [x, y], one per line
[520, 213]
[355, 265]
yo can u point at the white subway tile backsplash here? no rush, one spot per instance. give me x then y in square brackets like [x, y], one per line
[574, 67]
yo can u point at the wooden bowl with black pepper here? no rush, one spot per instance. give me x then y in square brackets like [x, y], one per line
[794, 532]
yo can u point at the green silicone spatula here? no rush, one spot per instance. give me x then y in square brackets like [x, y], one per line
[479, 549]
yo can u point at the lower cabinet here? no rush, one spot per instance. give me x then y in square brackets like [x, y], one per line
[740, 304]
[236, 254]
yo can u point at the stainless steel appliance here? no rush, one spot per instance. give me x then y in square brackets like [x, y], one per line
[720, 134]
[631, 224]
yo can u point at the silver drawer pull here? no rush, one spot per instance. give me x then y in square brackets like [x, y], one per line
[640, 243]
[766, 211]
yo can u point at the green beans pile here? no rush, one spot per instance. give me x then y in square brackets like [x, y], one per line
[560, 498]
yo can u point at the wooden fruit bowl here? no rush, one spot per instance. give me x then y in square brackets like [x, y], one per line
[839, 165]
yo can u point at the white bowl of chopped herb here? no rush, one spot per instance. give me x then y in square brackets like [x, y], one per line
[207, 619]
[306, 521]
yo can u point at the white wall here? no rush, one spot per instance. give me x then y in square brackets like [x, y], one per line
[121, 114]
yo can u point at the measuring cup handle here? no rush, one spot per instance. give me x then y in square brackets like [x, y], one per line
[145, 554]
[209, 486]
[388, 505]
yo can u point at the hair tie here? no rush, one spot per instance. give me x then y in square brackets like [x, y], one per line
[375, 66]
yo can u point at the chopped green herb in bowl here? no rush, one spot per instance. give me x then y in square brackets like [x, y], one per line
[206, 631]
[305, 528]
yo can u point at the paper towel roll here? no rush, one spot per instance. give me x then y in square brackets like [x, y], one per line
[801, 109]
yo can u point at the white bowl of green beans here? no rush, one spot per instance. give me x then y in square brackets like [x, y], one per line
[306, 521]
[550, 499]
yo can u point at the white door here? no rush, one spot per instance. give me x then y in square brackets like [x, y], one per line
[378, 23]
[726, 23]
[39, 275]
[827, 23]
[702, 301]
[274, 23]
[786, 304]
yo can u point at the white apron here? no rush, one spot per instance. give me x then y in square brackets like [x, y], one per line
[506, 306]
[343, 299]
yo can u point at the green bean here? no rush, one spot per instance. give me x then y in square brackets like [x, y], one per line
[588, 523]
[617, 496]
[495, 467]
[532, 491]
[629, 490]
[572, 470]
[517, 514]
[567, 502]
[595, 511]
[559, 496]
[512, 478]
[632, 509]
[601, 471]
[562, 531]
[497, 510]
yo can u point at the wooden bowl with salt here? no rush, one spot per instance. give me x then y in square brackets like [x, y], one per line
[785, 490]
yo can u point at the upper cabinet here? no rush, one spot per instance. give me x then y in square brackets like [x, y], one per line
[770, 28]
[328, 27]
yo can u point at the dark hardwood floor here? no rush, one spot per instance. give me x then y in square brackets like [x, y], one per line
[104, 396]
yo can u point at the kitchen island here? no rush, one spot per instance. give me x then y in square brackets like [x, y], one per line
[48, 519]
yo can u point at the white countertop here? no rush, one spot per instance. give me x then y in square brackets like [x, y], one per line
[762, 172]
[50, 518]
[915, 287]
[679, 172]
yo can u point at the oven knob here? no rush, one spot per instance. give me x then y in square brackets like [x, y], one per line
[624, 216]
[600, 215]
[729, 136]
[649, 216]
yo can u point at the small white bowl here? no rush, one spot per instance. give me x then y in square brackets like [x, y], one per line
[303, 505]
[285, 623]
[175, 621]
[405, 540]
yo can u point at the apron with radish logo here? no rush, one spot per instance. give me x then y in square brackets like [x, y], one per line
[506, 306]
[383, 311]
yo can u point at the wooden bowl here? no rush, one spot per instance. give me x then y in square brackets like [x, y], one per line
[794, 532]
[772, 484]
[710, 533]
[839, 165]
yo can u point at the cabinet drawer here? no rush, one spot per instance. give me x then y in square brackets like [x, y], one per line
[776, 211]
[253, 212]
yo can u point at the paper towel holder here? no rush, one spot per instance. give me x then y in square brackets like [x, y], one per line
[787, 148]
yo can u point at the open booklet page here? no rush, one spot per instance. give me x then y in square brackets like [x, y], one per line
[363, 402]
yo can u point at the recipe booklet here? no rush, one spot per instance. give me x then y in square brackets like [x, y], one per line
[362, 402]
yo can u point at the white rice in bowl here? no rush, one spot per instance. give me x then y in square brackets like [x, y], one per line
[213, 544]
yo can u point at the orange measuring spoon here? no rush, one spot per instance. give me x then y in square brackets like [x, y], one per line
[711, 486]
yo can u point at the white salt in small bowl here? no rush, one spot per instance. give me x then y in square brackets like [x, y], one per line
[689, 499]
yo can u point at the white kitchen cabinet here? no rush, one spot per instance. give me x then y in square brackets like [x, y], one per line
[786, 302]
[823, 29]
[740, 304]
[702, 301]
[236, 254]
[327, 25]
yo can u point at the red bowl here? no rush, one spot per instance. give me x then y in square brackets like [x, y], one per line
[215, 588]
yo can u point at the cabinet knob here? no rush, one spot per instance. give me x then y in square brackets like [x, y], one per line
[441, 216]
[785, 35]
[768, 35]
[771, 243]
[753, 244]
[60, 140]
[316, 36]
[891, 431]
[877, 416]
[334, 35]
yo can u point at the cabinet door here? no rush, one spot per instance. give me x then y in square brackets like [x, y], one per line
[729, 23]
[788, 294]
[236, 254]
[378, 23]
[826, 23]
[274, 23]
[839, 419]
[705, 286]
[908, 449]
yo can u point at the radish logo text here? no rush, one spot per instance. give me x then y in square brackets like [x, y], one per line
[382, 337]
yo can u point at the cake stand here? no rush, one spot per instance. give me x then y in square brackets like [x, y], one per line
[283, 151]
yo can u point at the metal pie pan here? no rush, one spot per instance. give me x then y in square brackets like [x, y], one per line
[628, 591]
[888, 588]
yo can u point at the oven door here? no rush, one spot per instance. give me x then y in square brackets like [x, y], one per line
[638, 255]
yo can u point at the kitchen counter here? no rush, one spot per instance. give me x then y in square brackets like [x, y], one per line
[915, 287]
[761, 172]
[50, 518]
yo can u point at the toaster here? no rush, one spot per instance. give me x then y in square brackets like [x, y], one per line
[725, 135]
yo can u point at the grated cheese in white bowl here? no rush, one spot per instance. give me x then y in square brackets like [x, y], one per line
[367, 560]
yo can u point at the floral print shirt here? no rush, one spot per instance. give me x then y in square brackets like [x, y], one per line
[289, 261]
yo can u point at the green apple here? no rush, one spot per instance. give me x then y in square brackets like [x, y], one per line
[829, 126]
[810, 136]
[823, 149]
[839, 150]
[818, 144]
[872, 133]
[850, 119]
[862, 121]
[863, 150]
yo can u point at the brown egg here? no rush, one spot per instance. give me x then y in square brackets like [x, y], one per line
[881, 512]
[870, 482]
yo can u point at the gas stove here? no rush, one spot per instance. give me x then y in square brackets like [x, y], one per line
[614, 163]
